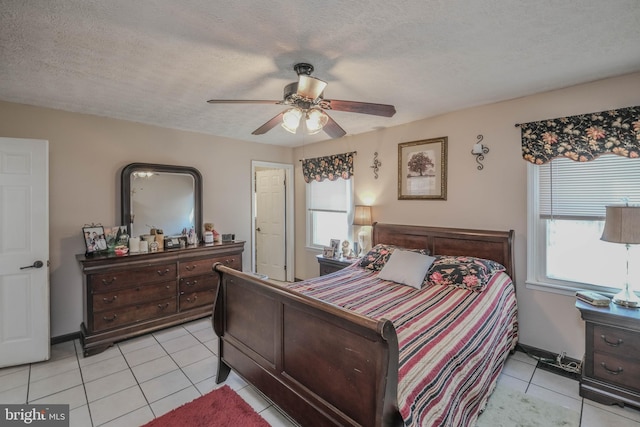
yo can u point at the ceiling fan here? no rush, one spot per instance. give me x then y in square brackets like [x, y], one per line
[306, 104]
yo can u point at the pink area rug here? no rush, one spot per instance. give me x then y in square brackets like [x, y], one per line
[221, 407]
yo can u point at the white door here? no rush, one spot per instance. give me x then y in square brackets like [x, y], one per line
[270, 223]
[24, 251]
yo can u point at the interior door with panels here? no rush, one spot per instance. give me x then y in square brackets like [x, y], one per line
[24, 251]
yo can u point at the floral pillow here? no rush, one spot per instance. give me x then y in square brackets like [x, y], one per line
[378, 256]
[464, 272]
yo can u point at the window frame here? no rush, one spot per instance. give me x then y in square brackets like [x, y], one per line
[309, 214]
[536, 248]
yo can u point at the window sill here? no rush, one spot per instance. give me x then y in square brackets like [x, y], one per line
[568, 290]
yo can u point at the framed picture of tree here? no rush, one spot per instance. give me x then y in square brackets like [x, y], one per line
[422, 169]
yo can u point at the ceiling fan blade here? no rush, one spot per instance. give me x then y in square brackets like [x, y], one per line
[359, 107]
[269, 125]
[333, 129]
[310, 87]
[237, 101]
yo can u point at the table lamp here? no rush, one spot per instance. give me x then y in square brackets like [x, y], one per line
[622, 225]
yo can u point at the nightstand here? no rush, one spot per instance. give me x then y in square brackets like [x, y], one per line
[329, 265]
[611, 369]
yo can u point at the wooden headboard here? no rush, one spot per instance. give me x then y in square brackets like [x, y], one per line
[493, 245]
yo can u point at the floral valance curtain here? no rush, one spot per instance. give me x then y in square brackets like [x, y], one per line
[328, 167]
[584, 137]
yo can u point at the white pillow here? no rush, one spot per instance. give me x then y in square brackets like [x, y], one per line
[407, 268]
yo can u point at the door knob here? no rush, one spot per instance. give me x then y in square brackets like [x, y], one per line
[36, 264]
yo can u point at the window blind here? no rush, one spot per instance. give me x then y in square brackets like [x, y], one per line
[328, 196]
[581, 190]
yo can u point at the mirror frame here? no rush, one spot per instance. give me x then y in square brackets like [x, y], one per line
[125, 194]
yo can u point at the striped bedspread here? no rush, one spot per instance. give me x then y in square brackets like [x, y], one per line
[452, 342]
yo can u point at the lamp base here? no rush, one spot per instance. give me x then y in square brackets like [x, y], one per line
[627, 298]
[364, 240]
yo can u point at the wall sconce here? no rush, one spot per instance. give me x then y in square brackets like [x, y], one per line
[376, 165]
[479, 151]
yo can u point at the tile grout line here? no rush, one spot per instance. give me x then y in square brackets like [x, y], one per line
[84, 387]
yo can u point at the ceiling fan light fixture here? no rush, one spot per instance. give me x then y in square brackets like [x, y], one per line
[310, 87]
[291, 119]
[315, 119]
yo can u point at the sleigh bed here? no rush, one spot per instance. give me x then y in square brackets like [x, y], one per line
[353, 349]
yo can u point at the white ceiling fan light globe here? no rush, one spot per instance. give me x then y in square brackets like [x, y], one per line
[315, 120]
[291, 119]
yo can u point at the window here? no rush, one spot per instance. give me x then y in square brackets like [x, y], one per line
[329, 205]
[567, 202]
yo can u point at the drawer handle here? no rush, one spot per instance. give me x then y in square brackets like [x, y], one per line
[195, 297]
[611, 371]
[190, 267]
[163, 306]
[108, 282]
[110, 319]
[195, 282]
[110, 300]
[229, 261]
[610, 343]
[162, 273]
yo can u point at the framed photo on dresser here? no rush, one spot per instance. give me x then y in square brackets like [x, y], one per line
[94, 238]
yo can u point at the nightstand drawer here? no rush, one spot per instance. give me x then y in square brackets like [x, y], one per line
[616, 370]
[616, 341]
[611, 371]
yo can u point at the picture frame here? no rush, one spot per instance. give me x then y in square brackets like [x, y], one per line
[328, 252]
[94, 238]
[422, 169]
[335, 244]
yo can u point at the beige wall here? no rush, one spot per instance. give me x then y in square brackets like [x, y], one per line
[494, 198]
[86, 156]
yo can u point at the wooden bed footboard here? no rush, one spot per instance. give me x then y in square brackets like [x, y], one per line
[321, 364]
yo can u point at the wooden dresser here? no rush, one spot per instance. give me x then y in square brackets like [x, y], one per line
[127, 296]
[611, 371]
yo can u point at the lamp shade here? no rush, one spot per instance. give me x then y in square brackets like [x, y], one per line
[622, 225]
[362, 215]
[310, 87]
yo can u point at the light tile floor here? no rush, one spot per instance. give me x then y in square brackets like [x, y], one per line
[142, 378]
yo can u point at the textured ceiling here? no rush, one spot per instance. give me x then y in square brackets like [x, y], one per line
[159, 61]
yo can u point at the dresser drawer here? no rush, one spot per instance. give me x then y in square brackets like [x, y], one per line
[118, 298]
[196, 267]
[607, 339]
[616, 370]
[133, 314]
[196, 299]
[102, 282]
[198, 283]
[203, 266]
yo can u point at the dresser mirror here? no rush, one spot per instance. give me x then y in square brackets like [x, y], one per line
[161, 196]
